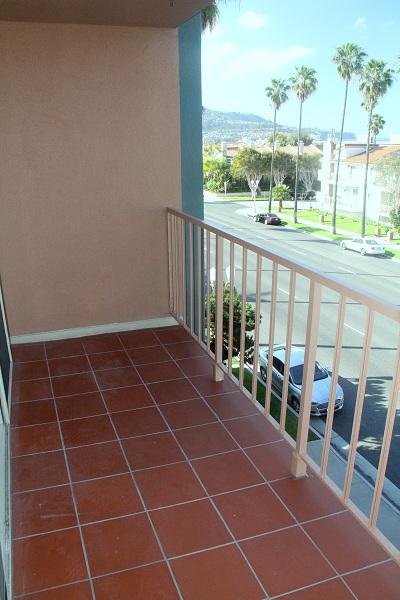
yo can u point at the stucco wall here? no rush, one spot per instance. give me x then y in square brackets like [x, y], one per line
[89, 159]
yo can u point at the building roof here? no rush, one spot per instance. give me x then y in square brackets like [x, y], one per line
[376, 153]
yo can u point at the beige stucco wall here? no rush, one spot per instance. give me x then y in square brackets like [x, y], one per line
[89, 159]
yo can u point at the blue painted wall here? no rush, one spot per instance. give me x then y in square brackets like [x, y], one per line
[189, 36]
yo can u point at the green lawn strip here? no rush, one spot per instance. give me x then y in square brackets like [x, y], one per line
[291, 419]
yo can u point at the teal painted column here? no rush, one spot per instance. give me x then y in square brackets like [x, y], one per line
[189, 37]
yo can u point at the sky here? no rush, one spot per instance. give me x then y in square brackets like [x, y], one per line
[258, 40]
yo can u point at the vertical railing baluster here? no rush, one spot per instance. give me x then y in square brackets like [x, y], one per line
[299, 465]
[218, 373]
[190, 270]
[200, 286]
[208, 289]
[271, 337]
[289, 335]
[256, 329]
[243, 319]
[231, 297]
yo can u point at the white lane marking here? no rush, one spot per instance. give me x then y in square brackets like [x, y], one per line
[298, 252]
[354, 329]
[347, 271]
[287, 293]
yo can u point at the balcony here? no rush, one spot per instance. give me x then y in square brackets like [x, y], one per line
[143, 467]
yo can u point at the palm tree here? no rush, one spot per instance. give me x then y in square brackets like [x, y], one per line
[375, 82]
[349, 59]
[304, 83]
[377, 124]
[210, 15]
[277, 95]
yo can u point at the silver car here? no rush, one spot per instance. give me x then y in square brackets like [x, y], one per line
[363, 245]
[322, 379]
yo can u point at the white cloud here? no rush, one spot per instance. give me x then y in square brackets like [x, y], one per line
[215, 33]
[388, 24]
[360, 23]
[215, 54]
[264, 60]
[251, 20]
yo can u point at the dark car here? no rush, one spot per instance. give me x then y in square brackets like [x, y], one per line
[269, 218]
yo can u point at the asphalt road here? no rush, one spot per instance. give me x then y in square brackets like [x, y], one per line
[377, 275]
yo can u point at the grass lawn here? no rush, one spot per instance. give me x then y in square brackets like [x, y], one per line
[291, 419]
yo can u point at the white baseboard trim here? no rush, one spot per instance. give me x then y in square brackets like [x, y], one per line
[64, 334]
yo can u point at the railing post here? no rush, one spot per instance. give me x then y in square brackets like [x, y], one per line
[218, 373]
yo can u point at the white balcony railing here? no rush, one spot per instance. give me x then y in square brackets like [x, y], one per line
[296, 304]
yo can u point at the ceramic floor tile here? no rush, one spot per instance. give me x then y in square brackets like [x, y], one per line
[107, 342]
[142, 421]
[273, 460]
[74, 591]
[116, 378]
[154, 450]
[226, 472]
[41, 511]
[202, 365]
[253, 511]
[189, 349]
[205, 440]
[106, 498]
[71, 385]
[187, 413]
[120, 544]
[91, 430]
[82, 405]
[307, 498]
[138, 339]
[36, 471]
[189, 527]
[35, 438]
[153, 582]
[64, 348]
[164, 371]
[149, 355]
[172, 335]
[167, 485]
[27, 352]
[334, 589]
[217, 574]
[48, 560]
[33, 413]
[376, 583]
[206, 386]
[68, 365]
[127, 398]
[286, 560]
[109, 360]
[252, 430]
[27, 391]
[232, 405]
[172, 391]
[30, 370]
[345, 543]
[99, 460]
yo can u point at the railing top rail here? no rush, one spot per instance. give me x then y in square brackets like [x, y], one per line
[377, 304]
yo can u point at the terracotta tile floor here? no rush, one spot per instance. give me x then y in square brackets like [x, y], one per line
[136, 477]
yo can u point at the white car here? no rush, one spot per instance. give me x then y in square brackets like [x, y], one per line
[322, 379]
[363, 245]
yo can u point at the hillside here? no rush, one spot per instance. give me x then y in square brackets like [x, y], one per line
[221, 126]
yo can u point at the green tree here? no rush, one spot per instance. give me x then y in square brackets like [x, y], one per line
[305, 137]
[388, 177]
[277, 95]
[217, 172]
[280, 137]
[237, 324]
[349, 60]
[251, 164]
[210, 15]
[281, 194]
[395, 217]
[375, 81]
[304, 83]
[284, 166]
[377, 124]
[308, 170]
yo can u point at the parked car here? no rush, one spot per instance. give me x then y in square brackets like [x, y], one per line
[322, 379]
[269, 218]
[363, 245]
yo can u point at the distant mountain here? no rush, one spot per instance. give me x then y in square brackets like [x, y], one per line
[219, 126]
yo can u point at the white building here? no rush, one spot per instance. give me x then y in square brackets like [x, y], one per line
[351, 179]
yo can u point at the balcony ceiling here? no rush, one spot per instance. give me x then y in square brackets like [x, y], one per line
[130, 13]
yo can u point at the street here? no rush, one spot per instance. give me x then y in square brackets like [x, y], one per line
[377, 275]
